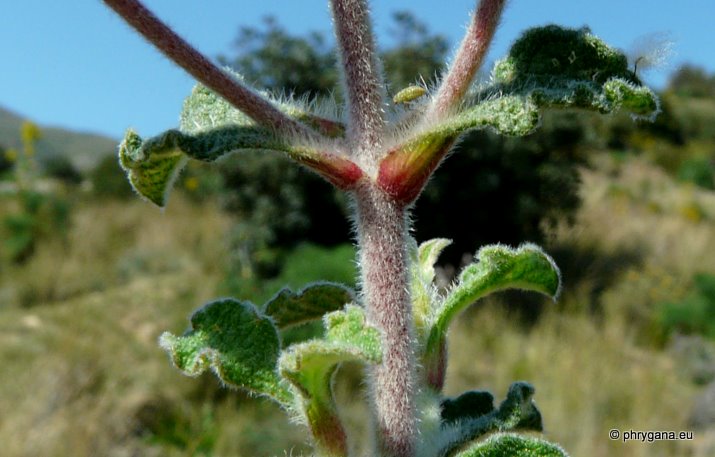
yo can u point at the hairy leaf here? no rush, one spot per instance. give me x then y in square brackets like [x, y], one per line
[310, 367]
[422, 277]
[469, 405]
[556, 67]
[288, 308]
[152, 165]
[204, 110]
[497, 268]
[210, 128]
[237, 342]
[512, 445]
[516, 412]
[548, 67]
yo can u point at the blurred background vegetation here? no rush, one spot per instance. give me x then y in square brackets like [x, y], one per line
[90, 275]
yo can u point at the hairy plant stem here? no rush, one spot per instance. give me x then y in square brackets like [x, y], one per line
[382, 236]
[362, 79]
[468, 58]
[197, 65]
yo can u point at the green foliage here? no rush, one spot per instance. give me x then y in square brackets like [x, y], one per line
[557, 67]
[465, 424]
[695, 314]
[535, 178]
[510, 445]
[699, 171]
[310, 366]
[418, 55]
[237, 342]
[62, 169]
[587, 74]
[289, 308]
[273, 59]
[242, 346]
[548, 67]
[691, 81]
[109, 180]
[496, 268]
[38, 215]
[153, 165]
[524, 185]
[210, 129]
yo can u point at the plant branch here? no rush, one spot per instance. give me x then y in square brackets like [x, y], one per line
[201, 68]
[469, 57]
[384, 265]
[362, 76]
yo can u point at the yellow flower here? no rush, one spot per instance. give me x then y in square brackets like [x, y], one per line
[191, 183]
[11, 155]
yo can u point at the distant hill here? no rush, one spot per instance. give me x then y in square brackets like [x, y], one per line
[85, 150]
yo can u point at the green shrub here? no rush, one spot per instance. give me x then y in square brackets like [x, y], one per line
[37, 214]
[109, 181]
[699, 171]
[62, 169]
[695, 314]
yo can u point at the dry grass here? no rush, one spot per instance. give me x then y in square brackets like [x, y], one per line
[639, 206]
[86, 378]
[113, 242]
[588, 379]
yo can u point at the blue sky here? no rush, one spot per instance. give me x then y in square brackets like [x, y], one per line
[76, 65]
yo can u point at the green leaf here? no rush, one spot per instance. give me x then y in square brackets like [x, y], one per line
[556, 67]
[235, 340]
[548, 67]
[548, 52]
[203, 110]
[465, 424]
[152, 165]
[288, 308]
[512, 445]
[210, 128]
[497, 268]
[422, 279]
[469, 405]
[310, 367]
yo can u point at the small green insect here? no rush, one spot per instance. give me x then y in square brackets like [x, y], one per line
[409, 94]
